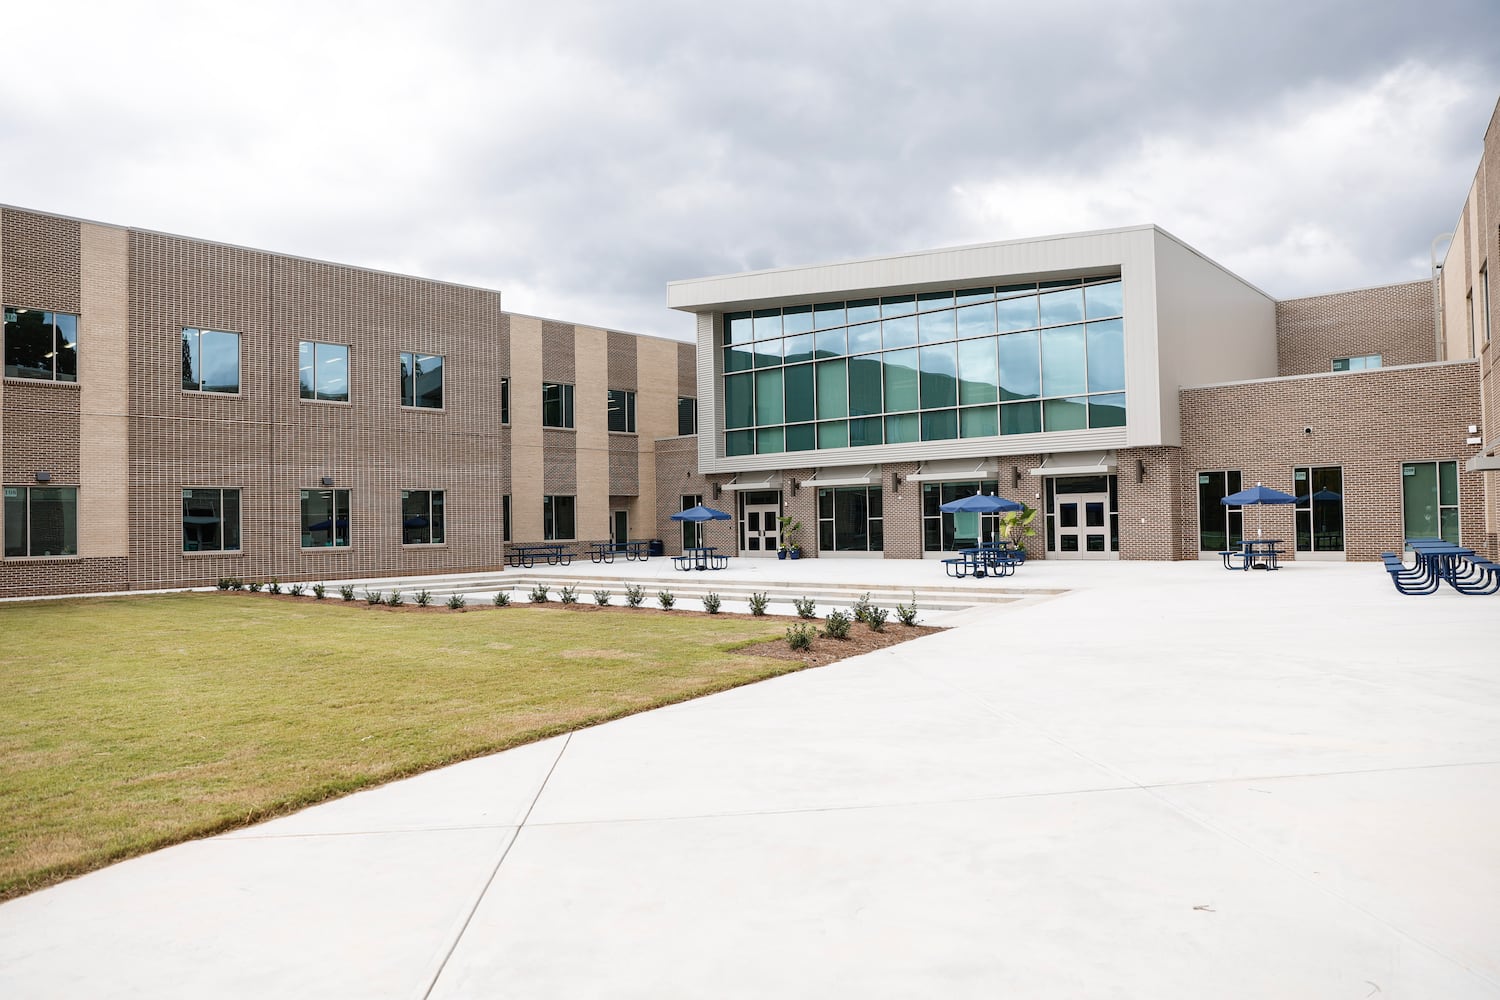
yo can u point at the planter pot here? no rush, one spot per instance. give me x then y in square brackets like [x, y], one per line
[796, 553]
[781, 553]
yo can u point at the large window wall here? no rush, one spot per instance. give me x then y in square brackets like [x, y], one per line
[851, 519]
[970, 362]
[950, 532]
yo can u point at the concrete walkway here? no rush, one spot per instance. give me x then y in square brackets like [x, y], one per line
[1171, 782]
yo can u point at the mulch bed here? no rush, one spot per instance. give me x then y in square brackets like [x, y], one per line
[862, 639]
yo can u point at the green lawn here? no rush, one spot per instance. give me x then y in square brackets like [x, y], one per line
[127, 724]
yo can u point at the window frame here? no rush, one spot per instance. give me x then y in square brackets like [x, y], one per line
[27, 523]
[692, 402]
[1350, 366]
[239, 361]
[415, 357]
[692, 531]
[1437, 485]
[239, 515]
[317, 396]
[1484, 284]
[51, 320]
[441, 520]
[564, 401]
[505, 517]
[550, 514]
[505, 401]
[626, 398]
[333, 518]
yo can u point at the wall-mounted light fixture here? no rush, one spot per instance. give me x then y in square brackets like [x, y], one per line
[44, 477]
[793, 485]
[896, 480]
[1140, 470]
[1015, 476]
[717, 491]
[327, 480]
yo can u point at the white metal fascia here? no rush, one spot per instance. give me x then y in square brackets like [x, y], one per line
[1079, 465]
[870, 476]
[944, 471]
[766, 481]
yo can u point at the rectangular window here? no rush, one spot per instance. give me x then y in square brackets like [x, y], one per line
[505, 518]
[622, 410]
[557, 518]
[851, 519]
[557, 404]
[950, 532]
[1356, 364]
[210, 360]
[41, 520]
[692, 531]
[211, 520]
[325, 519]
[1429, 500]
[422, 381]
[41, 344]
[1320, 508]
[1469, 311]
[323, 371]
[1484, 287]
[687, 416]
[505, 401]
[1220, 528]
[422, 520]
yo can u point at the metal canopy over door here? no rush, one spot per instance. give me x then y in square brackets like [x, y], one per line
[760, 529]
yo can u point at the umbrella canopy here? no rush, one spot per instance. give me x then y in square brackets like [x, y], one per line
[701, 513]
[980, 504]
[1257, 496]
[1321, 495]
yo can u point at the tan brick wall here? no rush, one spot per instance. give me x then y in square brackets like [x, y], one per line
[104, 394]
[1367, 422]
[591, 415]
[526, 438]
[1394, 321]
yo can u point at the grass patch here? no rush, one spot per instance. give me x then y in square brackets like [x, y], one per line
[127, 724]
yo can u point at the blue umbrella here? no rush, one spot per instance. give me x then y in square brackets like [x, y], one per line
[701, 513]
[1321, 495]
[980, 504]
[1257, 496]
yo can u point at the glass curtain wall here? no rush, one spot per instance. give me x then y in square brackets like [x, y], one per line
[950, 532]
[970, 362]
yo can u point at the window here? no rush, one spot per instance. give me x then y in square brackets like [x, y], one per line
[422, 520]
[622, 410]
[1484, 288]
[950, 532]
[210, 360]
[687, 416]
[692, 531]
[211, 520]
[505, 401]
[323, 371]
[557, 518]
[1429, 500]
[557, 405]
[1320, 508]
[1357, 364]
[1219, 527]
[850, 519]
[41, 520]
[1469, 311]
[422, 381]
[505, 518]
[325, 519]
[40, 344]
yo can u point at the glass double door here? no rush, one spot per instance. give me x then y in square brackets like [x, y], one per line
[1082, 526]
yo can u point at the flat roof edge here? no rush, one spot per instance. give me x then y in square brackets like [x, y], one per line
[1365, 371]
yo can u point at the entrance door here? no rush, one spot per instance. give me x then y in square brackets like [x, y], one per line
[759, 532]
[619, 526]
[1082, 526]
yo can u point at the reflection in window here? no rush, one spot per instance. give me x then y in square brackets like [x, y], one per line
[557, 404]
[622, 410]
[210, 520]
[1429, 500]
[851, 519]
[1220, 527]
[41, 345]
[949, 532]
[323, 371]
[557, 518]
[41, 521]
[325, 519]
[505, 400]
[1357, 364]
[422, 517]
[422, 381]
[687, 416]
[210, 360]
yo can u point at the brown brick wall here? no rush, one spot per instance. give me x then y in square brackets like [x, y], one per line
[41, 262]
[24, 578]
[559, 462]
[677, 476]
[41, 432]
[622, 361]
[1394, 321]
[624, 465]
[1151, 505]
[687, 370]
[1367, 422]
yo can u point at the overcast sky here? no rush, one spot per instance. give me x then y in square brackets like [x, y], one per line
[580, 156]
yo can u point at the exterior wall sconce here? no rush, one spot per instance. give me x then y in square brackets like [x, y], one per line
[896, 480]
[1140, 470]
[327, 480]
[717, 491]
[44, 477]
[1015, 476]
[794, 485]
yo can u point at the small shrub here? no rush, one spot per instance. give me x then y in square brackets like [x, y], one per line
[800, 636]
[347, 591]
[634, 595]
[601, 597]
[836, 626]
[374, 597]
[255, 587]
[860, 609]
[875, 618]
[539, 594]
[568, 595]
[758, 603]
[805, 607]
[665, 599]
[395, 600]
[907, 613]
[457, 602]
[235, 583]
[319, 591]
[711, 603]
[423, 598]
[224, 582]
[502, 598]
[295, 589]
[274, 587]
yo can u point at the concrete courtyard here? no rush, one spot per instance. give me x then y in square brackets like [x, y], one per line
[1169, 782]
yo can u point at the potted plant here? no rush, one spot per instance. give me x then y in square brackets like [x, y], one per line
[789, 544]
[1016, 525]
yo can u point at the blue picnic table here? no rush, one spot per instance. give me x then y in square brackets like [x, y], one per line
[1436, 562]
[700, 557]
[525, 556]
[1254, 553]
[984, 560]
[606, 552]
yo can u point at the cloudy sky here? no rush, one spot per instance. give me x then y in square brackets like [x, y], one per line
[578, 156]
